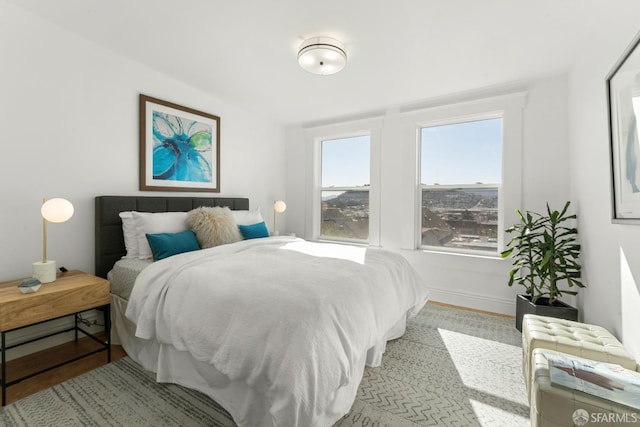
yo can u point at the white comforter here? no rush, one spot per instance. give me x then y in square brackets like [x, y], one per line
[292, 319]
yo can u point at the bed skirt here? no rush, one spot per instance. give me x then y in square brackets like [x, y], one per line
[246, 405]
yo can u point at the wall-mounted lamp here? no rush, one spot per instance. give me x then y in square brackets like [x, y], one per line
[279, 206]
[53, 210]
[322, 55]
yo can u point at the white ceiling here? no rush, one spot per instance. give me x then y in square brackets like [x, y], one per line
[399, 51]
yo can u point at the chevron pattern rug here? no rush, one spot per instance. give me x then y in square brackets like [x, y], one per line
[451, 368]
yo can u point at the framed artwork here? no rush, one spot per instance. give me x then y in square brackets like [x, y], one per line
[623, 92]
[179, 147]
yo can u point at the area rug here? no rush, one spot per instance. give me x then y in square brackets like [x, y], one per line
[451, 368]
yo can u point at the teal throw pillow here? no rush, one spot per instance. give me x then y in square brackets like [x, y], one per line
[254, 231]
[164, 245]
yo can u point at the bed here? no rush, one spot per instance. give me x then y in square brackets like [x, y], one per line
[277, 330]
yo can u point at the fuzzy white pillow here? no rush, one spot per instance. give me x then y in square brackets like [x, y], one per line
[213, 226]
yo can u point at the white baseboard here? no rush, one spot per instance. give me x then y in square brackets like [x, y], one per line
[41, 329]
[475, 301]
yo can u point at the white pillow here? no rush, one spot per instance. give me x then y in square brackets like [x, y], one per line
[159, 222]
[247, 217]
[130, 234]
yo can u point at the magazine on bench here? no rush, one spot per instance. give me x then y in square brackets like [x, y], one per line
[605, 380]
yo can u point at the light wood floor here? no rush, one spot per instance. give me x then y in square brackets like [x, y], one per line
[51, 356]
[442, 304]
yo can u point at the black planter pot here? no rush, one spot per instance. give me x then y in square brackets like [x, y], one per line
[558, 310]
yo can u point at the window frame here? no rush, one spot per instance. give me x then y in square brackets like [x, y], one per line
[319, 234]
[371, 127]
[421, 186]
[510, 107]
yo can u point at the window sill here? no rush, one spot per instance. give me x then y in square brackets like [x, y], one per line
[344, 242]
[461, 253]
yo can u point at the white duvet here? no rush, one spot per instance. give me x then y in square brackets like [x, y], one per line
[292, 319]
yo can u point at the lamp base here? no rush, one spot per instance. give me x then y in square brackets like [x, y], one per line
[44, 271]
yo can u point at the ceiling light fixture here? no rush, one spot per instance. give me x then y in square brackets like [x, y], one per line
[322, 55]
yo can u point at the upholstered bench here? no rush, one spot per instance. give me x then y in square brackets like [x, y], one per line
[556, 406]
[566, 336]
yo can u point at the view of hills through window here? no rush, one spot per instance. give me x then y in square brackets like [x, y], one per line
[460, 218]
[460, 175]
[460, 182]
[345, 188]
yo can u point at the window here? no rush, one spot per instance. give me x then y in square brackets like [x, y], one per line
[345, 179]
[460, 183]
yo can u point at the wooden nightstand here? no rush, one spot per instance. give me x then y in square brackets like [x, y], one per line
[72, 293]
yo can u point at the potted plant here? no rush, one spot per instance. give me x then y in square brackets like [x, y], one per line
[545, 253]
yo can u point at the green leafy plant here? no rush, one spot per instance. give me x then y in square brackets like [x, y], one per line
[545, 253]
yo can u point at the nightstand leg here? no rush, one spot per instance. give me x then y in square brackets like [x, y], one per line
[107, 328]
[4, 372]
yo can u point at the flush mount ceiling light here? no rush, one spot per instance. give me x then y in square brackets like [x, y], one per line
[322, 55]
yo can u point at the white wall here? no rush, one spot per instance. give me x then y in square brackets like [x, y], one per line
[611, 252]
[478, 282]
[69, 128]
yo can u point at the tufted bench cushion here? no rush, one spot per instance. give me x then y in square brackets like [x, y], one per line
[566, 336]
[554, 406]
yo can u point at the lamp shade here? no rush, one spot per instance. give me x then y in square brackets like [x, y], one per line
[322, 55]
[57, 210]
[279, 206]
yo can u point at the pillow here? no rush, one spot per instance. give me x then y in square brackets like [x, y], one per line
[159, 222]
[164, 245]
[254, 231]
[213, 226]
[129, 233]
[247, 217]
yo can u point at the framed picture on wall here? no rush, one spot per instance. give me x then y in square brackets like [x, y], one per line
[179, 147]
[623, 92]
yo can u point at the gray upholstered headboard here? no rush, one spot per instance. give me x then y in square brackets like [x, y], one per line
[108, 234]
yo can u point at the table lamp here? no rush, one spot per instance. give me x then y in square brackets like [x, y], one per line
[278, 207]
[53, 210]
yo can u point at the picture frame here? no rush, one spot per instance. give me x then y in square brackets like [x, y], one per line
[623, 96]
[179, 147]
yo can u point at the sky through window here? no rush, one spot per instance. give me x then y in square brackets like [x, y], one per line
[462, 153]
[345, 162]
